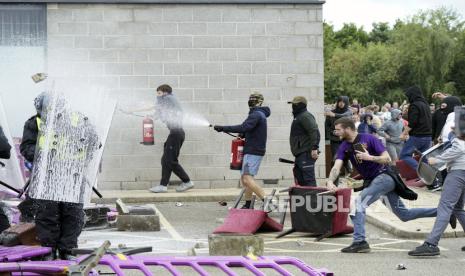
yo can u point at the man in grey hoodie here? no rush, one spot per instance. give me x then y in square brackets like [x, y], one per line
[453, 195]
[391, 131]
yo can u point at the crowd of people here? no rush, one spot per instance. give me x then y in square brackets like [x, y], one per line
[405, 130]
[371, 140]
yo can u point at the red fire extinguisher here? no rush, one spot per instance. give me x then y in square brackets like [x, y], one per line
[237, 153]
[147, 131]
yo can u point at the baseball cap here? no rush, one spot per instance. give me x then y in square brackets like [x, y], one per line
[298, 99]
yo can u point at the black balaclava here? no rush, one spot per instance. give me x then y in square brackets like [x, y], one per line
[414, 94]
[298, 108]
[451, 102]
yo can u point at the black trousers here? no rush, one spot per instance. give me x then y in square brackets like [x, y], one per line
[169, 160]
[59, 224]
[28, 208]
[4, 222]
[304, 169]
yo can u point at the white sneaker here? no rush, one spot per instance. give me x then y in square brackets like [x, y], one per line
[159, 189]
[185, 186]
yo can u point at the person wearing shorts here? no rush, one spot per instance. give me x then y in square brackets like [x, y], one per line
[254, 129]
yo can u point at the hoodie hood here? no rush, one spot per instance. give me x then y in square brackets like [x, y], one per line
[344, 99]
[414, 94]
[395, 114]
[451, 102]
[265, 109]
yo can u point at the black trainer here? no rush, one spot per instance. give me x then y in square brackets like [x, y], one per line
[453, 221]
[425, 250]
[357, 247]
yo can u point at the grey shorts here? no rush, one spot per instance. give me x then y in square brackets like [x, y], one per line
[251, 164]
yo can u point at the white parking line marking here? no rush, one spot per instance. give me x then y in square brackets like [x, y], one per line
[168, 225]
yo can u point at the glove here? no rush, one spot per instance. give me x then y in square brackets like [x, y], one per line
[218, 128]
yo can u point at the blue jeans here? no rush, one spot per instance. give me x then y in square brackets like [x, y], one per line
[383, 186]
[414, 143]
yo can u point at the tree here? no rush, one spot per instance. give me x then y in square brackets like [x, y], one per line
[380, 33]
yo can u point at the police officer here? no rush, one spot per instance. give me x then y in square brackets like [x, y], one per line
[4, 154]
[59, 223]
[304, 139]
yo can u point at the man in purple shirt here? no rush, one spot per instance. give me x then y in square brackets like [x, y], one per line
[368, 155]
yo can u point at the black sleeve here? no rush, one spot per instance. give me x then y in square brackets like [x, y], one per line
[5, 147]
[28, 143]
[249, 124]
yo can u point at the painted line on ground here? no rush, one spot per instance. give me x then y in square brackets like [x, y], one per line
[168, 225]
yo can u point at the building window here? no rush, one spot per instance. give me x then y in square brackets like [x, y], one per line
[23, 25]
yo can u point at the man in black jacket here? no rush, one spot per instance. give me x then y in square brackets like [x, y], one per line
[4, 154]
[418, 132]
[304, 139]
[255, 130]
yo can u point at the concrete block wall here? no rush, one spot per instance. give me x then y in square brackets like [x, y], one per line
[213, 56]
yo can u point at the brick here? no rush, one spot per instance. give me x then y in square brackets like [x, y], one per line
[163, 29]
[193, 81]
[178, 42]
[134, 82]
[265, 15]
[237, 15]
[108, 185]
[251, 54]
[231, 108]
[146, 41]
[222, 81]
[251, 81]
[312, 15]
[120, 15]
[118, 148]
[112, 161]
[281, 28]
[177, 68]
[265, 42]
[59, 15]
[309, 28]
[133, 55]
[207, 68]
[139, 161]
[236, 94]
[208, 173]
[236, 42]
[155, 81]
[207, 42]
[266, 68]
[281, 55]
[148, 68]
[251, 28]
[150, 15]
[166, 55]
[224, 184]
[133, 28]
[178, 14]
[59, 41]
[73, 28]
[118, 175]
[192, 29]
[87, 69]
[197, 159]
[207, 14]
[294, 42]
[119, 42]
[222, 55]
[309, 54]
[193, 55]
[88, 42]
[148, 174]
[68, 55]
[236, 68]
[104, 28]
[208, 94]
[297, 67]
[136, 185]
[281, 80]
[309, 80]
[118, 68]
[294, 15]
[87, 15]
[221, 28]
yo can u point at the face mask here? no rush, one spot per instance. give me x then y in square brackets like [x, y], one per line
[298, 107]
[252, 103]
